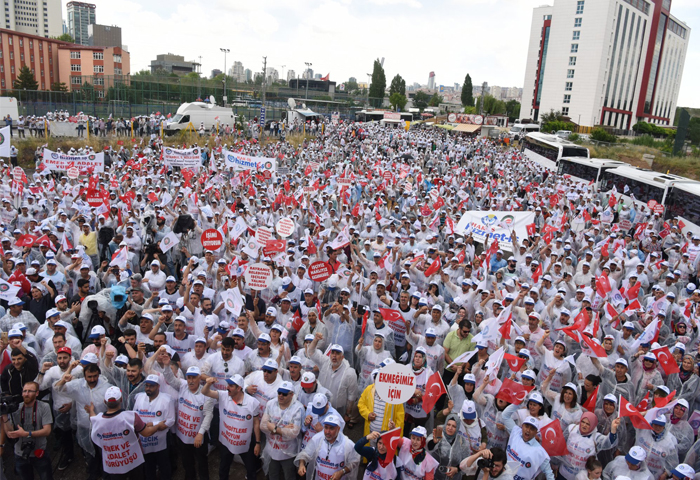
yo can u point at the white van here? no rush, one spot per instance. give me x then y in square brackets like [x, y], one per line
[198, 113]
[522, 129]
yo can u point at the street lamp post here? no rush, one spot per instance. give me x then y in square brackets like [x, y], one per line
[369, 79]
[308, 66]
[225, 50]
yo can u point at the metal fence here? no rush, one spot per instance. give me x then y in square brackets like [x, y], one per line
[132, 95]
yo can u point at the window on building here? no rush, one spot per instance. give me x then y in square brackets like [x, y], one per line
[12, 69]
[567, 98]
[2, 83]
[100, 94]
[574, 48]
[577, 22]
[570, 73]
[117, 71]
[117, 58]
[569, 86]
[98, 69]
[75, 81]
[565, 111]
[579, 7]
[577, 35]
[12, 55]
[97, 56]
[572, 61]
[75, 67]
[98, 80]
[21, 42]
[75, 55]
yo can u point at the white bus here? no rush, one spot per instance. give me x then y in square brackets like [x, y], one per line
[586, 169]
[644, 184]
[548, 149]
[683, 201]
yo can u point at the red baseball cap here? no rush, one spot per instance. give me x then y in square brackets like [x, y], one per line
[65, 350]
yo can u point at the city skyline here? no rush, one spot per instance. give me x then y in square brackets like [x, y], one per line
[494, 49]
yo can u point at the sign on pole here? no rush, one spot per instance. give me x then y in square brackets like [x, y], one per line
[395, 383]
[320, 271]
[212, 239]
[285, 227]
[258, 276]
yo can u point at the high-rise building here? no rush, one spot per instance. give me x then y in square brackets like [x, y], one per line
[238, 72]
[34, 17]
[431, 81]
[496, 92]
[104, 35]
[215, 72]
[605, 62]
[80, 15]
[248, 75]
[290, 75]
[308, 73]
[272, 75]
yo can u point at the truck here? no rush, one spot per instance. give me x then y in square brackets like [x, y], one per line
[199, 113]
[8, 105]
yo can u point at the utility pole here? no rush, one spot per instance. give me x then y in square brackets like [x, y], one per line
[199, 80]
[225, 50]
[262, 108]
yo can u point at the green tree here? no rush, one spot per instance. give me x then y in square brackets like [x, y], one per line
[25, 80]
[87, 92]
[467, 92]
[59, 87]
[398, 85]
[65, 37]
[470, 110]
[398, 101]
[513, 109]
[435, 100]
[556, 125]
[552, 116]
[378, 86]
[420, 100]
[602, 135]
[351, 86]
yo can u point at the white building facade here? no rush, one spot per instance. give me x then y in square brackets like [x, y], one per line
[35, 17]
[605, 62]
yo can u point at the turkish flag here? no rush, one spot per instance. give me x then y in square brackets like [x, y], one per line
[627, 410]
[26, 240]
[276, 245]
[513, 392]
[644, 404]
[434, 389]
[438, 203]
[45, 240]
[633, 291]
[553, 440]
[356, 210]
[514, 362]
[548, 237]
[504, 330]
[531, 229]
[602, 285]
[152, 197]
[391, 315]
[666, 360]
[391, 440]
[425, 211]
[537, 273]
[595, 346]
[612, 201]
[586, 215]
[662, 402]
[633, 306]
[592, 399]
[365, 317]
[311, 248]
[461, 256]
[581, 320]
[433, 268]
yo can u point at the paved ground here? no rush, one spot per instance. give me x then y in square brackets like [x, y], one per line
[77, 470]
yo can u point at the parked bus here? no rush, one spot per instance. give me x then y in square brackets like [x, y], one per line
[644, 184]
[520, 129]
[586, 169]
[547, 150]
[683, 201]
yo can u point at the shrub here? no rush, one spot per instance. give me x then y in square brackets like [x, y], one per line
[574, 137]
[601, 135]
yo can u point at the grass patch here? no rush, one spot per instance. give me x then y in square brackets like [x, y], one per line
[684, 166]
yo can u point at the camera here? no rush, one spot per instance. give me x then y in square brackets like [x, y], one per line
[150, 348]
[92, 305]
[9, 403]
[483, 463]
[27, 449]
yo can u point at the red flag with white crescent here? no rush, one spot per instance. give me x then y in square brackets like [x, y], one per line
[391, 441]
[627, 410]
[514, 362]
[513, 392]
[553, 440]
[666, 361]
[434, 389]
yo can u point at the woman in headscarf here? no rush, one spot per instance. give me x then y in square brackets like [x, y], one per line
[645, 375]
[448, 448]
[680, 428]
[415, 415]
[417, 462]
[685, 382]
[378, 466]
[369, 357]
[492, 410]
[565, 407]
[606, 416]
[583, 441]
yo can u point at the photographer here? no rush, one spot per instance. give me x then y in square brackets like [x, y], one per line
[487, 463]
[31, 424]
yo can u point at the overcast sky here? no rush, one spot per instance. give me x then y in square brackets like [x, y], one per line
[485, 38]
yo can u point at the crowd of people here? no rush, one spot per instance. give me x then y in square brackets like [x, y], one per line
[568, 352]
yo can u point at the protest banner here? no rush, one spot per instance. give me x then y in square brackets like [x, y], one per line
[320, 271]
[184, 158]
[87, 163]
[238, 161]
[395, 383]
[258, 276]
[498, 224]
[212, 239]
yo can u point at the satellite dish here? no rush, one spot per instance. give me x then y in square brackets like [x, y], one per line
[212, 100]
[292, 104]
